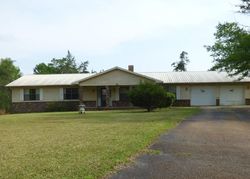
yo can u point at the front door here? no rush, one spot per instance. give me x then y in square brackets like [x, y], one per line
[103, 97]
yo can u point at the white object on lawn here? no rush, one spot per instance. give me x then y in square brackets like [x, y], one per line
[82, 109]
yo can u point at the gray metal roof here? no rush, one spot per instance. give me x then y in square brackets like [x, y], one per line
[165, 77]
[124, 70]
[194, 77]
[62, 79]
[48, 80]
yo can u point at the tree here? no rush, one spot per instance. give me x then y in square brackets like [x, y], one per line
[150, 96]
[181, 65]
[83, 67]
[62, 65]
[245, 6]
[43, 68]
[231, 50]
[8, 73]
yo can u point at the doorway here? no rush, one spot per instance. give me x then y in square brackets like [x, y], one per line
[103, 94]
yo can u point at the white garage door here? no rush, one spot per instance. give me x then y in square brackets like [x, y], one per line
[203, 96]
[231, 95]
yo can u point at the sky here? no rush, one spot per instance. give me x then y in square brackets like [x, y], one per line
[149, 34]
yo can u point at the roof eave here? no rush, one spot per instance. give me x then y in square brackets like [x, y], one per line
[224, 82]
[118, 68]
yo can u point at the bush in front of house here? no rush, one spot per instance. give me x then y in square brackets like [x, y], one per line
[150, 96]
[167, 100]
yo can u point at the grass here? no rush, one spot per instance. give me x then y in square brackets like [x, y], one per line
[70, 145]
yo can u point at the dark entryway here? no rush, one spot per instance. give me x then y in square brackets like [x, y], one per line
[103, 93]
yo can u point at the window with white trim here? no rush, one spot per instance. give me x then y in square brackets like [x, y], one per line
[123, 93]
[32, 94]
[70, 93]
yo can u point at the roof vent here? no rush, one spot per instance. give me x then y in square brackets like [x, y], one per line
[131, 68]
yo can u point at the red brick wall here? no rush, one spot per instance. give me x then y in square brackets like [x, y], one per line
[90, 104]
[121, 104]
[24, 107]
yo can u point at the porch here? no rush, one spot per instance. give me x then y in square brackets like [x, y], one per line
[98, 97]
[110, 88]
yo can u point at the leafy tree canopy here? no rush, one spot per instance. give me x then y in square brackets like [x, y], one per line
[8, 73]
[231, 50]
[245, 6]
[63, 65]
[181, 65]
[150, 96]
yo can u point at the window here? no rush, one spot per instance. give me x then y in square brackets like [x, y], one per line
[123, 93]
[70, 93]
[31, 94]
[170, 88]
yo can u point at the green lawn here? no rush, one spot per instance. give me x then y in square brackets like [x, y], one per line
[70, 145]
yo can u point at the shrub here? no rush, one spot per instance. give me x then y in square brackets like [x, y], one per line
[150, 96]
[168, 100]
[5, 99]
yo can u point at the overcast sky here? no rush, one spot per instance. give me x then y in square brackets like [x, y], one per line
[149, 34]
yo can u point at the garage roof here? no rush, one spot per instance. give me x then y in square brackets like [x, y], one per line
[194, 77]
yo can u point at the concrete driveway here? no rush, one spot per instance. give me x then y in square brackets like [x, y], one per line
[213, 144]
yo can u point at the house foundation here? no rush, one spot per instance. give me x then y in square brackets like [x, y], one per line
[25, 107]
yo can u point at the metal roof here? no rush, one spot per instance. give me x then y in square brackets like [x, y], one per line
[64, 79]
[48, 80]
[124, 70]
[165, 77]
[195, 77]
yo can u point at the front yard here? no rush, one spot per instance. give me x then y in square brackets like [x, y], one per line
[69, 145]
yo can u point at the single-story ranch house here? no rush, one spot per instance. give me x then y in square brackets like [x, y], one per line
[32, 93]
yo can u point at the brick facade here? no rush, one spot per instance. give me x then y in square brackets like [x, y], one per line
[182, 102]
[90, 104]
[23, 107]
[121, 104]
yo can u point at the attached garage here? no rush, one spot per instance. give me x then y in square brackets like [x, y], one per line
[203, 96]
[232, 95]
[208, 88]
